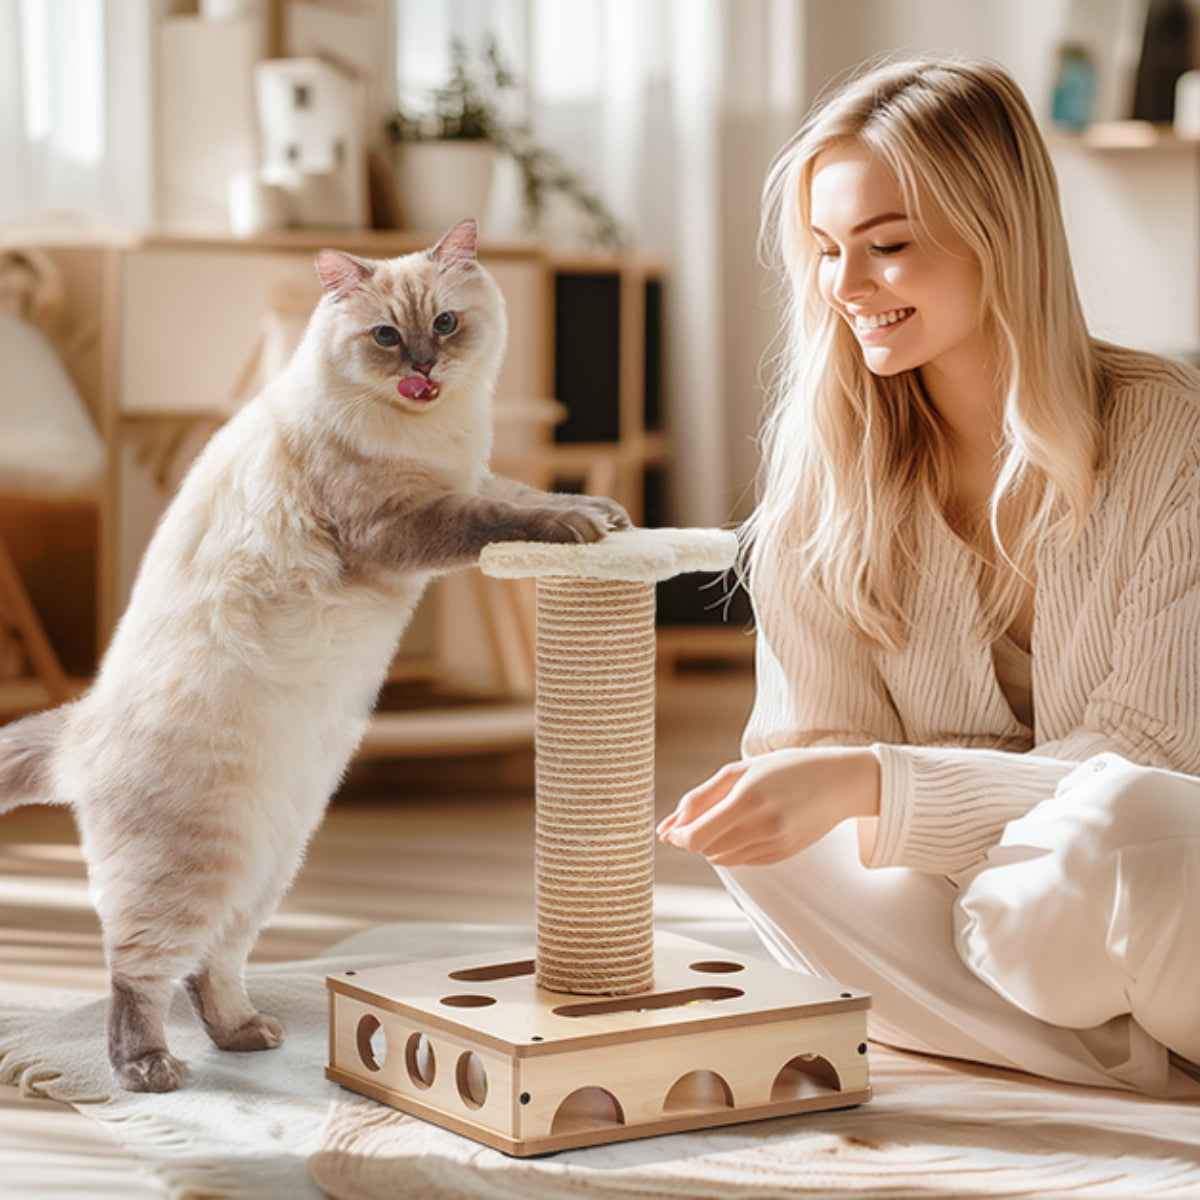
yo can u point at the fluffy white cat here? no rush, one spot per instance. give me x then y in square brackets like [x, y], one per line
[267, 609]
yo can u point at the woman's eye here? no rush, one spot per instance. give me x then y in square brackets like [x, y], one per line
[892, 248]
[386, 335]
[445, 323]
[827, 251]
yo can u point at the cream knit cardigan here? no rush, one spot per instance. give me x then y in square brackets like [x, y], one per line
[1116, 656]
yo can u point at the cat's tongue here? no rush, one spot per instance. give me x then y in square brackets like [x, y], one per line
[417, 387]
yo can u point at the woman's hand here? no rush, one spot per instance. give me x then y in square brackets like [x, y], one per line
[765, 809]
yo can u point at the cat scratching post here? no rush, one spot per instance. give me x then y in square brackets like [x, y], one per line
[606, 1031]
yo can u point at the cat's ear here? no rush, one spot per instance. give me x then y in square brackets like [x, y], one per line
[341, 273]
[457, 245]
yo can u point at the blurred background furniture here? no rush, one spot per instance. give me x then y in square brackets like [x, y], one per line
[183, 329]
[51, 456]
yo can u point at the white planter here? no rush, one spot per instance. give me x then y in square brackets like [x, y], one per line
[439, 183]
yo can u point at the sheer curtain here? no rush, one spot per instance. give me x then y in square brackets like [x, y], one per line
[671, 109]
[75, 111]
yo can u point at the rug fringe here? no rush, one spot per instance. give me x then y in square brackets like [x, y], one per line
[36, 1081]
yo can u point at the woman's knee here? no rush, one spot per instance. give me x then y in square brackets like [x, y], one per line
[1026, 928]
[1045, 920]
[1109, 803]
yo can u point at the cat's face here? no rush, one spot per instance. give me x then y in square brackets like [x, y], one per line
[414, 331]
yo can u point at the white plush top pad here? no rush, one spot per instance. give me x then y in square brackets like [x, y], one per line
[632, 554]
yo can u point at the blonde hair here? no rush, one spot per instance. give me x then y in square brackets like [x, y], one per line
[851, 460]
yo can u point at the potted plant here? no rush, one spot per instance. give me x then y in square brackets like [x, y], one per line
[445, 154]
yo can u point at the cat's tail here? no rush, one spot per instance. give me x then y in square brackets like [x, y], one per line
[25, 748]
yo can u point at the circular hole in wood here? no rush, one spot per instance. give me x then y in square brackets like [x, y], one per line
[472, 1080]
[717, 967]
[420, 1060]
[468, 1001]
[372, 1043]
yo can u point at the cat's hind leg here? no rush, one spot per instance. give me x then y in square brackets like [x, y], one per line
[158, 917]
[217, 987]
[148, 952]
[218, 994]
[137, 1042]
[143, 983]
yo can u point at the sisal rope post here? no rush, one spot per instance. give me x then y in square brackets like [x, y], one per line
[595, 746]
[595, 786]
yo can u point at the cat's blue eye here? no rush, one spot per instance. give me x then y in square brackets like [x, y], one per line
[445, 323]
[386, 335]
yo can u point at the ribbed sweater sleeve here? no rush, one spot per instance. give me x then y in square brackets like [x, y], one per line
[941, 809]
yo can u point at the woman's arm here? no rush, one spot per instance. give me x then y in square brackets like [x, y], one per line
[819, 703]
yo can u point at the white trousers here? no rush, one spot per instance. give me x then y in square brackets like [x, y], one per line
[1072, 952]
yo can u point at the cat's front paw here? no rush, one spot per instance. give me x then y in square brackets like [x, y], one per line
[609, 512]
[561, 525]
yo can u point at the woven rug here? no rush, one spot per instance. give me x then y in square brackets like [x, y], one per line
[269, 1126]
[244, 1125]
[932, 1129]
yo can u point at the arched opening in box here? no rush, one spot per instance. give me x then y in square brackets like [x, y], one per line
[806, 1075]
[585, 1109]
[698, 1091]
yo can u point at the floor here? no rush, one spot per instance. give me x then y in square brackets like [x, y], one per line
[405, 840]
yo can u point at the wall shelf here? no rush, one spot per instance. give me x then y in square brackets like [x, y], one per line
[1123, 136]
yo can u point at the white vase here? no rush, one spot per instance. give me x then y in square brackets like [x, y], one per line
[439, 183]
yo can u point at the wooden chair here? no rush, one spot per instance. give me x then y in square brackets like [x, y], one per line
[49, 448]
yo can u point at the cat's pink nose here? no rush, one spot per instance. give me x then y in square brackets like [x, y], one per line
[424, 367]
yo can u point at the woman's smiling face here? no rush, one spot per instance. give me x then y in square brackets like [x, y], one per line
[913, 299]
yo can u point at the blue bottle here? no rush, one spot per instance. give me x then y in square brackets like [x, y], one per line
[1074, 89]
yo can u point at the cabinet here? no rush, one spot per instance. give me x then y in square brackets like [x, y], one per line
[161, 335]
[608, 344]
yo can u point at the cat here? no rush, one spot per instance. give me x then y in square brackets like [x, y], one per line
[266, 611]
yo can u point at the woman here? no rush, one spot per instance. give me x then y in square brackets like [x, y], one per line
[976, 572]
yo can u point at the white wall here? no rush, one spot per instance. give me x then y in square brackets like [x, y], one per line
[1133, 219]
[1021, 34]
